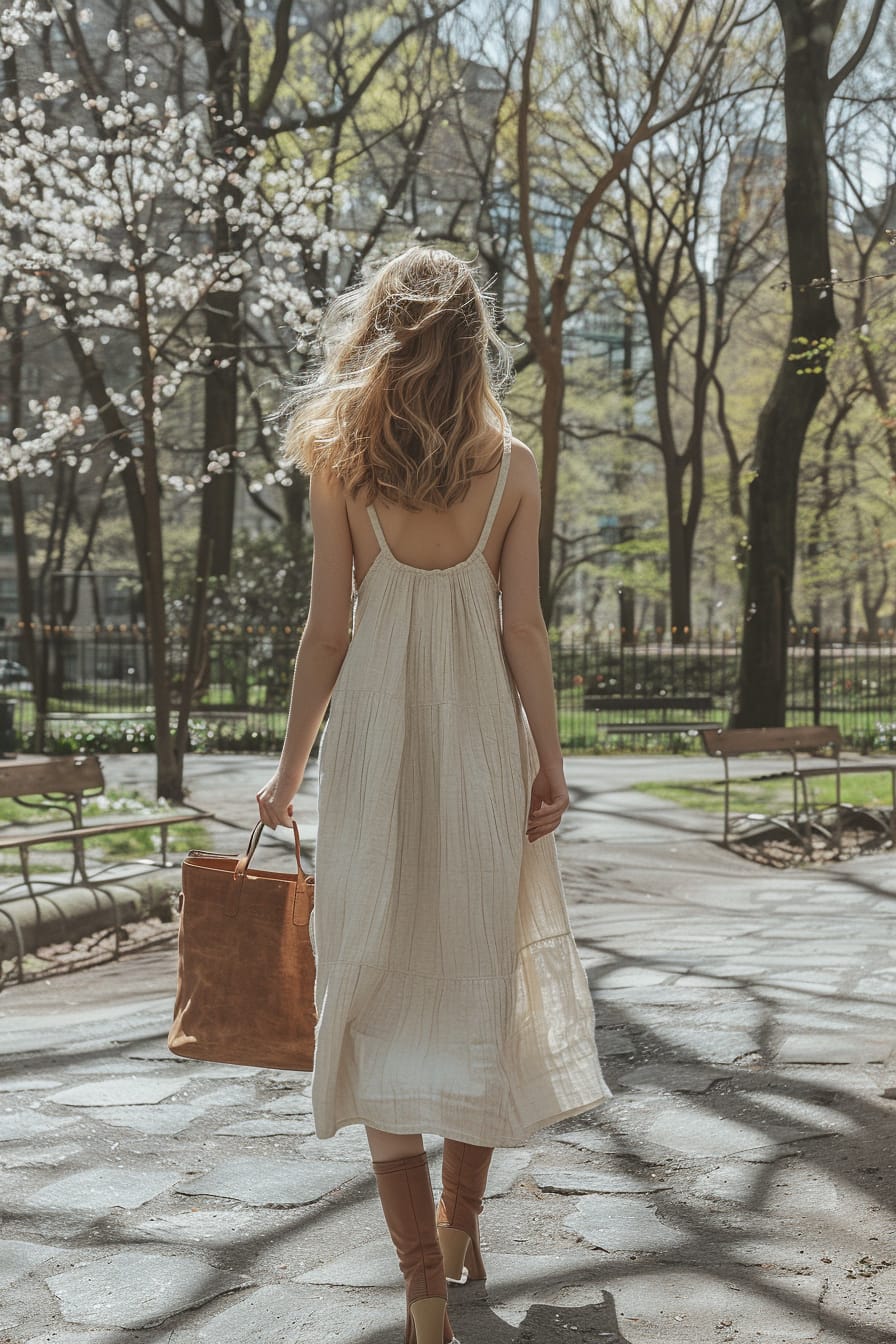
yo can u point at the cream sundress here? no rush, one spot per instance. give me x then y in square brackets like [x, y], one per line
[451, 998]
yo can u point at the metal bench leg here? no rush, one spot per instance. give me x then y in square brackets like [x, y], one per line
[26, 872]
[727, 801]
[838, 814]
[806, 830]
[20, 944]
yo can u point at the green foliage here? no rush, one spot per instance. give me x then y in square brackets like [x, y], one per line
[269, 583]
[813, 356]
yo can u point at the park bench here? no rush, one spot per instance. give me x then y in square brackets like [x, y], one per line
[808, 743]
[697, 704]
[62, 784]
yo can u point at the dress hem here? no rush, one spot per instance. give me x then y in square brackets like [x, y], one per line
[459, 1136]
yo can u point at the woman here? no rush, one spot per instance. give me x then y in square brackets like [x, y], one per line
[450, 995]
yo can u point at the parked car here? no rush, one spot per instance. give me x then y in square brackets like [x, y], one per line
[14, 674]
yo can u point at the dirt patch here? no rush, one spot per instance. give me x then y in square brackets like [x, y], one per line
[94, 949]
[775, 849]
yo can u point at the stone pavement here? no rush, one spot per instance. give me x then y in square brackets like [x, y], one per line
[738, 1187]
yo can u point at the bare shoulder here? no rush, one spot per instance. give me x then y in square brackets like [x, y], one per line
[524, 467]
[325, 485]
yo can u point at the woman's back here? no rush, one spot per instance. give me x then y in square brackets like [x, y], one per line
[432, 539]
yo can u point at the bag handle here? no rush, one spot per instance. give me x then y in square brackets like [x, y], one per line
[245, 859]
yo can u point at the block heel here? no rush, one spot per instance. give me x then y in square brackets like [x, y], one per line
[455, 1246]
[427, 1321]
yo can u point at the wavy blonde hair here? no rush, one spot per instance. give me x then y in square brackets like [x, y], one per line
[406, 401]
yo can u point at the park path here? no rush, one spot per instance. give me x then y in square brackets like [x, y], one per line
[738, 1187]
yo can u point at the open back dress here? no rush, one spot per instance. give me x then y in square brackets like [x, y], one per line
[450, 994]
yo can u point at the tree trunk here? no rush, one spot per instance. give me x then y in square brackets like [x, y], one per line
[21, 544]
[679, 556]
[223, 330]
[786, 416]
[551, 420]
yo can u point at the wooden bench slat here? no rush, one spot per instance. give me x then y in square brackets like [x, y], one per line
[745, 741]
[667, 727]
[629, 702]
[68, 774]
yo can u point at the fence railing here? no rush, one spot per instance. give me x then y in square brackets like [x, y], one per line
[98, 686]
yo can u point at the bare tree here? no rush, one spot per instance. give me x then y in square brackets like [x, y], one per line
[603, 35]
[694, 276]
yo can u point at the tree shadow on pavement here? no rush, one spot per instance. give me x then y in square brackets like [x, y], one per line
[594, 1323]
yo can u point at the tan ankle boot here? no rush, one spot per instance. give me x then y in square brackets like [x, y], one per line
[464, 1174]
[406, 1195]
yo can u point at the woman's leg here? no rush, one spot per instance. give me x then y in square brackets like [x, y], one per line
[401, 1168]
[385, 1147]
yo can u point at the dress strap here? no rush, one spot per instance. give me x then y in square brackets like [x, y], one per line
[380, 534]
[498, 490]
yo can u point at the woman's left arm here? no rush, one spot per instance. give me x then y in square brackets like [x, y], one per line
[322, 648]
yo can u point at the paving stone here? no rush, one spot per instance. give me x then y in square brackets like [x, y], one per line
[629, 977]
[702, 1134]
[827, 1117]
[275, 1315]
[100, 1188]
[239, 1072]
[28, 1083]
[237, 1094]
[120, 1091]
[346, 1145]
[39, 1157]
[833, 1048]
[166, 1118]
[261, 1129]
[876, 986]
[672, 1078]
[20, 1257]
[505, 1169]
[118, 1067]
[31, 1125]
[273, 1183]
[620, 1223]
[375, 1266]
[610, 1043]
[736, 1181]
[135, 1289]
[738, 970]
[372, 1266]
[194, 1226]
[78, 1337]
[706, 1044]
[595, 1141]
[682, 1306]
[205, 1068]
[297, 1103]
[586, 1181]
[697, 980]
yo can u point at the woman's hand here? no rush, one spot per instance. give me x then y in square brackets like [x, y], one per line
[550, 799]
[275, 801]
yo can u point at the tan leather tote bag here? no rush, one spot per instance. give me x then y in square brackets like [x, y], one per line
[245, 978]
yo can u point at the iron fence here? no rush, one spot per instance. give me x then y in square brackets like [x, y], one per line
[97, 687]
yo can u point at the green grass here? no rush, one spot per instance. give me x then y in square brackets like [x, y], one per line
[113, 805]
[772, 796]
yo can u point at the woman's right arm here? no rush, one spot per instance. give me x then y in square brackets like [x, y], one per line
[525, 640]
